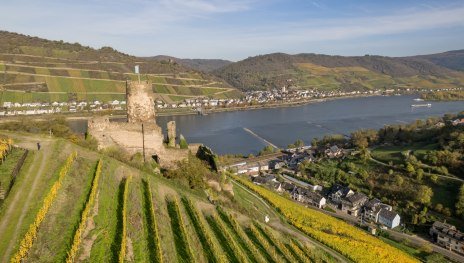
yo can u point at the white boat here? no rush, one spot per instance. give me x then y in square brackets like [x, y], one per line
[418, 99]
[428, 105]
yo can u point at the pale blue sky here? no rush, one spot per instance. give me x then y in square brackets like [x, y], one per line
[237, 29]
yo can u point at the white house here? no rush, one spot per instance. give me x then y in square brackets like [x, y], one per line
[389, 218]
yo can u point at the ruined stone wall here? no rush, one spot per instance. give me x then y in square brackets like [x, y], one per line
[129, 136]
[171, 130]
[140, 105]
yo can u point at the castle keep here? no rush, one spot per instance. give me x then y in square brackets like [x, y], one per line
[140, 133]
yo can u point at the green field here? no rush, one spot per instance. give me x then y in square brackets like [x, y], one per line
[394, 154]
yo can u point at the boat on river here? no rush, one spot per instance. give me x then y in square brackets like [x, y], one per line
[428, 105]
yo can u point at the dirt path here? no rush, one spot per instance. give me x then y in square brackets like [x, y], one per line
[40, 161]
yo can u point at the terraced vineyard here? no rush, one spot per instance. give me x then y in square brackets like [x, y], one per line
[39, 70]
[74, 205]
[26, 82]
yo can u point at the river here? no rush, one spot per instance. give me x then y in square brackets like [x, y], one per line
[248, 131]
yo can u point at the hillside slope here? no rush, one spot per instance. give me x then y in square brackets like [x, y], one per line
[451, 59]
[205, 65]
[39, 70]
[337, 72]
[134, 216]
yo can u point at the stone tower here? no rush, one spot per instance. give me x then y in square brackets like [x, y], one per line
[140, 105]
[171, 130]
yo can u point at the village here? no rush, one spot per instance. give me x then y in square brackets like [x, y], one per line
[284, 95]
[280, 173]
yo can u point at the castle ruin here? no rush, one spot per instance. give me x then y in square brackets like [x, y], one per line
[140, 133]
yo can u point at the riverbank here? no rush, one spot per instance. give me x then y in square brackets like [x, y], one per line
[175, 112]
[264, 106]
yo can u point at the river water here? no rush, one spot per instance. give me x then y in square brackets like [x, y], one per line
[246, 131]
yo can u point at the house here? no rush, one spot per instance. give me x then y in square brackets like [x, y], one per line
[309, 197]
[276, 164]
[288, 187]
[447, 236]
[338, 192]
[389, 218]
[333, 152]
[285, 187]
[458, 122]
[353, 203]
[372, 209]
[265, 180]
[263, 166]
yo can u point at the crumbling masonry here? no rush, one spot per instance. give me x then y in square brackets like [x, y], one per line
[140, 133]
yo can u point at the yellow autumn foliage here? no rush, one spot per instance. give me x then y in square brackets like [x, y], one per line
[351, 242]
[5, 147]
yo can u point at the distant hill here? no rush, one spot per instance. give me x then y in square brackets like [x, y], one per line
[337, 72]
[33, 69]
[452, 59]
[205, 65]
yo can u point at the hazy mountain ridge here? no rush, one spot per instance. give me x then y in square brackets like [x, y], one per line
[451, 59]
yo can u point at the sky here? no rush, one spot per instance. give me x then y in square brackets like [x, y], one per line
[237, 29]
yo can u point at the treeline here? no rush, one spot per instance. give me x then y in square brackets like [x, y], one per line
[444, 95]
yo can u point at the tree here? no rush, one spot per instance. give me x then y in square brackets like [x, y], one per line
[399, 180]
[419, 174]
[410, 168]
[438, 207]
[460, 202]
[266, 150]
[299, 143]
[183, 142]
[359, 140]
[314, 142]
[424, 194]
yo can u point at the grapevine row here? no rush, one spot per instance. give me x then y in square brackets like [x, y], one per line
[85, 213]
[153, 235]
[212, 251]
[31, 234]
[242, 235]
[299, 251]
[183, 248]
[122, 251]
[280, 247]
[266, 245]
[232, 246]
